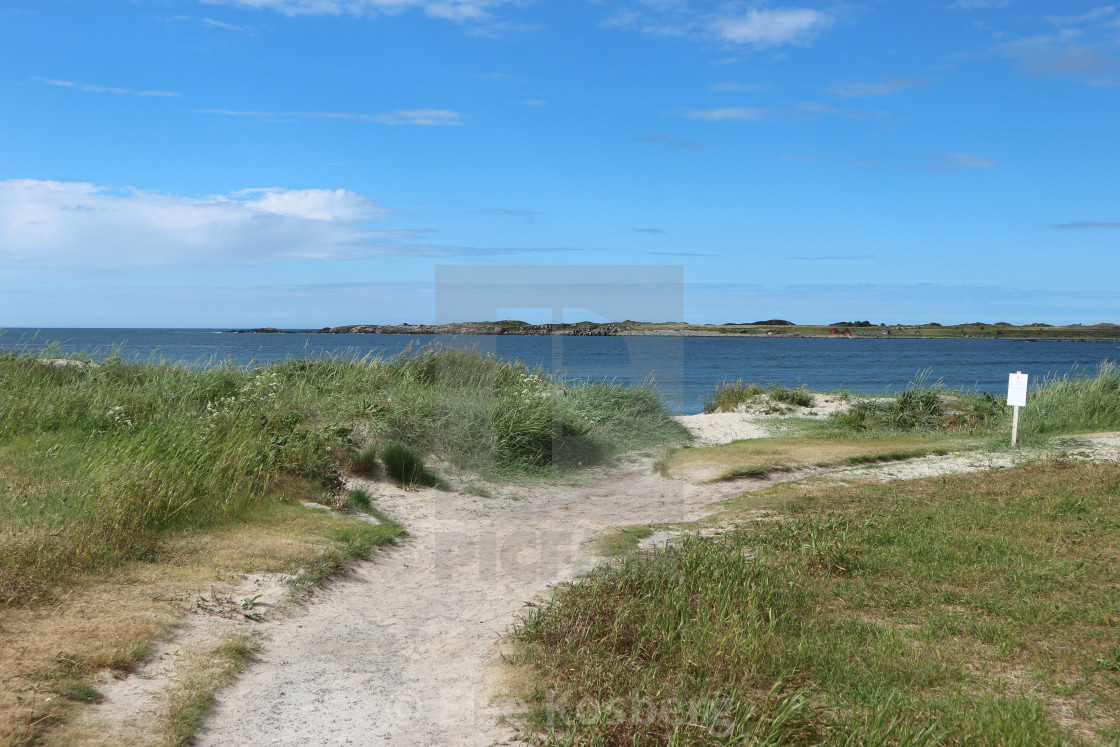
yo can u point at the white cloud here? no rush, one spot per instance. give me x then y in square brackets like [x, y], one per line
[457, 11]
[78, 224]
[212, 23]
[732, 114]
[423, 117]
[954, 162]
[758, 27]
[800, 111]
[770, 27]
[877, 88]
[419, 117]
[91, 88]
[310, 204]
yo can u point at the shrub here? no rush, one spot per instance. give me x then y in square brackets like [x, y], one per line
[406, 466]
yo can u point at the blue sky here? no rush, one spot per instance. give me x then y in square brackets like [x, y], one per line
[303, 163]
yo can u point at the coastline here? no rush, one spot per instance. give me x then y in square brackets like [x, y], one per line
[645, 329]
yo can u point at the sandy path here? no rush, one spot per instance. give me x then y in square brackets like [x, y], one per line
[397, 652]
[400, 650]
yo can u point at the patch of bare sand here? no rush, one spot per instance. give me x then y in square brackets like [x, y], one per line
[753, 421]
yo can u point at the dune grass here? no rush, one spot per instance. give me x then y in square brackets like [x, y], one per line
[977, 609]
[110, 469]
[730, 395]
[1078, 402]
[99, 461]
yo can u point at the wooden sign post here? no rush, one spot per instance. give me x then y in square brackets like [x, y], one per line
[1016, 397]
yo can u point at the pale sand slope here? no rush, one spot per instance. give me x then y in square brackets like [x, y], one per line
[752, 422]
[402, 650]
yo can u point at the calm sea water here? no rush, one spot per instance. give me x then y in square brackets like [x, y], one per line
[685, 369]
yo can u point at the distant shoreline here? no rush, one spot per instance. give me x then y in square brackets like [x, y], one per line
[862, 330]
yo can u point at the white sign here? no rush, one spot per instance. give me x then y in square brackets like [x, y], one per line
[1017, 390]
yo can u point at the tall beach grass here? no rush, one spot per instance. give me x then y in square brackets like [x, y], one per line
[98, 461]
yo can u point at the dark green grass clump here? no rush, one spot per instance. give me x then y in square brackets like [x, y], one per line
[407, 467]
[934, 612]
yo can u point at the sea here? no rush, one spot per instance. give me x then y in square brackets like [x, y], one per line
[685, 369]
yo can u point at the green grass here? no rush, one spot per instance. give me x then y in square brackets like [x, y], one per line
[622, 541]
[965, 610]
[1079, 402]
[99, 463]
[728, 396]
[364, 462]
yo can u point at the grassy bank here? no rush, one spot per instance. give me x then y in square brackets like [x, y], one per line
[974, 609]
[99, 461]
[113, 470]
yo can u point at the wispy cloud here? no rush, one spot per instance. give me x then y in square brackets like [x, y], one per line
[1090, 54]
[732, 114]
[670, 142]
[1096, 14]
[755, 27]
[92, 88]
[770, 27]
[215, 24]
[682, 254]
[970, 4]
[456, 11]
[946, 162]
[835, 258]
[649, 230]
[800, 111]
[1085, 225]
[419, 117]
[535, 103]
[877, 88]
